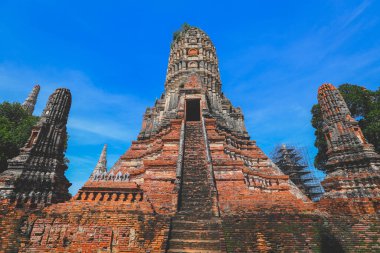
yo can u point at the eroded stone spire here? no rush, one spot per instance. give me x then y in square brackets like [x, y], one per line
[344, 137]
[353, 166]
[36, 176]
[31, 100]
[101, 166]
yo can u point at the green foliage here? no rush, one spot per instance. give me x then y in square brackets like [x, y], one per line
[15, 128]
[65, 159]
[358, 99]
[364, 105]
[370, 123]
[320, 142]
[185, 26]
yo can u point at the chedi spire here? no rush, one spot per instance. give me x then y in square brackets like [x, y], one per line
[353, 166]
[31, 100]
[36, 176]
[101, 166]
[343, 135]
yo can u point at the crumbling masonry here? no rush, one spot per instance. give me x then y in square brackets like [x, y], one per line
[36, 176]
[353, 166]
[193, 181]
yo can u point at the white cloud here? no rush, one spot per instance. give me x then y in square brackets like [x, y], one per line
[356, 13]
[102, 127]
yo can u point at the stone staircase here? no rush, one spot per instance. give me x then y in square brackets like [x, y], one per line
[194, 228]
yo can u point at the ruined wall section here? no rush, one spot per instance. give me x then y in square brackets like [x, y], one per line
[93, 226]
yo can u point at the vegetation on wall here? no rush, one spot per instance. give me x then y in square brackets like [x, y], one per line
[185, 26]
[364, 106]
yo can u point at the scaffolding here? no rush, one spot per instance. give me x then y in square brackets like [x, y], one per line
[295, 162]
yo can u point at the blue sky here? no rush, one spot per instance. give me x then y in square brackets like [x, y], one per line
[113, 55]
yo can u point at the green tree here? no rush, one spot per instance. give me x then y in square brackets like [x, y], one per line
[358, 99]
[185, 26]
[15, 128]
[364, 105]
[320, 142]
[370, 123]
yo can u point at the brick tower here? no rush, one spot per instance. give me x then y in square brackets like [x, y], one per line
[353, 166]
[36, 176]
[31, 100]
[101, 166]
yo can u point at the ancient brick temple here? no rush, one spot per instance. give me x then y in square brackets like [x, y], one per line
[193, 181]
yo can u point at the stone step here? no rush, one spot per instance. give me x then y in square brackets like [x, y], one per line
[196, 204]
[191, 186]
[186, 181]
[195, 197]
[191, 171]
[193, 251]
[196, 189]
[196, 215]
[196, 212]
[193, 175]
[199, 189]
[195, 244]
[203, 184]
[183, 225]
[194, 200]
[195, 234]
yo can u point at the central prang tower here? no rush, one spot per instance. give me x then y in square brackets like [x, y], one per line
[193, 69]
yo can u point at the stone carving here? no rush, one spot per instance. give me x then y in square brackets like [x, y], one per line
[193, 52]
[36, 176]
[132, 237]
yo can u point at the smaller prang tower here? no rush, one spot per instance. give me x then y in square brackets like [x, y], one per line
[101, 167]
[31, 100]
[35, 178]
[353, 166]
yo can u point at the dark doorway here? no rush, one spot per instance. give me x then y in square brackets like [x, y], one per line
[193, 110]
